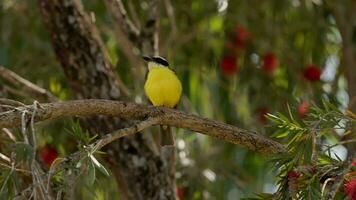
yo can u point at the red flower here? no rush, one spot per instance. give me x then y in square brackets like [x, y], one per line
[242, 37]
[180, 192]
[293, 175]
[48, 154]
[262, 114]
[312, 73]
[293, 181]
[350, 189]
[270, 62]
[303, 109]
[354, 163]
[228, 65]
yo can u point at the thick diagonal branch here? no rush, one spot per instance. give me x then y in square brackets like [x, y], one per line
[170, 117]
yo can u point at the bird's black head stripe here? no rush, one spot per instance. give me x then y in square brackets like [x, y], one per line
[160, 60]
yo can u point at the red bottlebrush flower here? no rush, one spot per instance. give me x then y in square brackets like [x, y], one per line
[350, 189]
[180, 192]
[312, 73]
[354, 163]
[293, 181]
[270, 62]
[293, 175]
[262, 114]
[303, 109]
[242, 37]
[48, 154]
[228, 65]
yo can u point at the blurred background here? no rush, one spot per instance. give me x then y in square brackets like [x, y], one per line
[237, 60]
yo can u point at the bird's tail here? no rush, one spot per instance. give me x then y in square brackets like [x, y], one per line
[166, 136]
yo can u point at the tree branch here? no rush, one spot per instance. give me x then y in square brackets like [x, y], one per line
[122, 18]
[173, 22]
[166, 116]
[17, 80]
[344, 16]
[150, 32]
[127, 35]
[109, 138]
[133, 13]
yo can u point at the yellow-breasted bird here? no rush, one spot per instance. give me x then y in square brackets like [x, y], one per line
[162, 88]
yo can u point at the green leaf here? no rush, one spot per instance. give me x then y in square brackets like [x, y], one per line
[91, 173]
[99, 165]
[92, 138]
[280, 134]
[308, 151]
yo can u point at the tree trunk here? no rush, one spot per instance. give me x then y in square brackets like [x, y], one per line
[137, 164]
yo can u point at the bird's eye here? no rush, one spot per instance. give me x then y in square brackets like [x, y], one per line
[147, 58]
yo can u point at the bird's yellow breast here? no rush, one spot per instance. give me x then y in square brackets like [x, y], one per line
[163, 87]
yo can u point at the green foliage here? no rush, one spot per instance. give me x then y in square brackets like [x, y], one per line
[82, 136]
[303, 170]
[85, 139]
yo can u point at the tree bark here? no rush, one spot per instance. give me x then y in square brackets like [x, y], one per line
[345, 20]
[165, 116]
[139, 168]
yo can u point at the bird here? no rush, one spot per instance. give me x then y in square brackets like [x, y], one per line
[162, 88]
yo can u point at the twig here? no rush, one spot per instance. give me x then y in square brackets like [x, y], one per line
[156, 18]
[9, 134]
[340, 178]
[7, 159]
[23, 126]
[109, 138]
[34, 142]
[127, 43]
[123, 19]
[339, 143]
[150, 32]
[5, 107]
[17, 80]
[173, 22]
[133, 13]
[14, 91]
[26, 172]
[7, 177]
[169, 117]
[10, 102]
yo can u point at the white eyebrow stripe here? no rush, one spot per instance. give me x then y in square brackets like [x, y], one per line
[153, 64]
